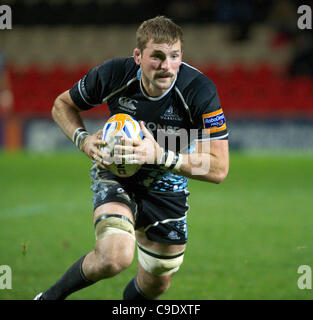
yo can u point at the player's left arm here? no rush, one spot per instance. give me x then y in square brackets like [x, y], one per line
[210, 163]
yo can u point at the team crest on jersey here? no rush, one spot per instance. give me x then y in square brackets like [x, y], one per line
[127, 104]
[214, 121]
[171, 114]
[174, 235]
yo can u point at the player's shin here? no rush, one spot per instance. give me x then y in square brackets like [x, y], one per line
[133, 292]
[72, 280]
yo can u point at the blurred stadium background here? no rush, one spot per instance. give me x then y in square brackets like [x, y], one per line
[253, 50]
[262, 65]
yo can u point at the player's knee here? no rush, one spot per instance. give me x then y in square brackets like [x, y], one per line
[153, 286]
[116, 233]
[111, 265]
[159, 286]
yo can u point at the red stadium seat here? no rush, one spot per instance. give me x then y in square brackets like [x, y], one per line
[257, 92]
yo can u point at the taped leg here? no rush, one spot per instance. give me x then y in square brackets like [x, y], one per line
[108, 224]
[155, 270]
[159, 264]
[114, 248]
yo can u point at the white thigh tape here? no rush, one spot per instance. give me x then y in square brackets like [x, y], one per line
[110, 224]
[157, 264]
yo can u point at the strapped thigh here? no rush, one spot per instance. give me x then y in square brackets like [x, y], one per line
[107, 224]
[159, 264]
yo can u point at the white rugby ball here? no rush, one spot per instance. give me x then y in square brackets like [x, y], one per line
[118, 126]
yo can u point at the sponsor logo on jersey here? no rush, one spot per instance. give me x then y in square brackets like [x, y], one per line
[214, 121]
[171, 114]
[127, 104]
[152, 126]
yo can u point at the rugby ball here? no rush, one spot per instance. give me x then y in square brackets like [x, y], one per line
[116, 127]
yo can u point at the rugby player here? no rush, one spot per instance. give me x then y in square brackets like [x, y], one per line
[148, 209]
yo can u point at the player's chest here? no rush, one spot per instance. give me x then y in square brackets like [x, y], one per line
[163, 113]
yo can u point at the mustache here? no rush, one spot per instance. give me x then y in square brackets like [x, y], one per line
[164, 75]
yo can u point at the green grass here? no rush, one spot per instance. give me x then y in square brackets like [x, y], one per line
[247, 236]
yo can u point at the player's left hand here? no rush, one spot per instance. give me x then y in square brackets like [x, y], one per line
[139, 151]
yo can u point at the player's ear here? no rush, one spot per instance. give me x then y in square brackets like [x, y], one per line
[137, 55]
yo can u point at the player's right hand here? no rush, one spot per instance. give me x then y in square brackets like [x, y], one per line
[92, 147]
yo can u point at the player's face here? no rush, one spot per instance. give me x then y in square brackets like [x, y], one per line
[159, 63]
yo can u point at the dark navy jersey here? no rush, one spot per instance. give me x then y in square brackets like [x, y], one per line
[190, 109]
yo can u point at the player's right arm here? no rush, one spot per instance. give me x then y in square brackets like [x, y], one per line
[87, 93]
[67, 115]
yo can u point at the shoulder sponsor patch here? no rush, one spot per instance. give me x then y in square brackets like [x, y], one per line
[214, 121]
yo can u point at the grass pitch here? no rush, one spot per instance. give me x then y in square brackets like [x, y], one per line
[247, 236]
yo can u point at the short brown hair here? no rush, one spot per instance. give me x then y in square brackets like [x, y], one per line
[160, 29]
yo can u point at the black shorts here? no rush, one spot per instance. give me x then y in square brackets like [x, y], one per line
[161, 215]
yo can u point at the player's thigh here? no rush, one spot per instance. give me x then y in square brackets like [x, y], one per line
[114, 218]
[115, 238]
[161, 248]
[110, 196]
[114, 208]
[112, 221]
[114, 229]
[157, 262]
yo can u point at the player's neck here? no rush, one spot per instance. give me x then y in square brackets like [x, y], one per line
[150, 90]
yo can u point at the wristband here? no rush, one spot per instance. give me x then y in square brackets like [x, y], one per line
[179, 162]
[171, 160]
[79, 136]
